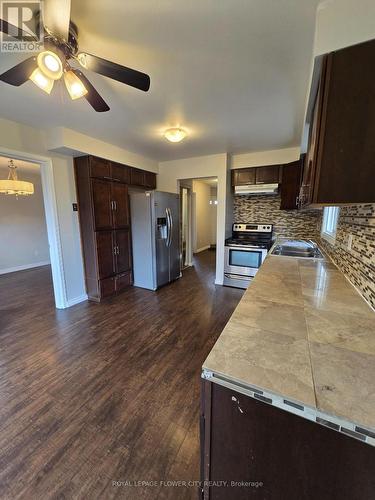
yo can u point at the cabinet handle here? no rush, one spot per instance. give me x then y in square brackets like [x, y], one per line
[118, 250]
[114, 250]
[106, 177]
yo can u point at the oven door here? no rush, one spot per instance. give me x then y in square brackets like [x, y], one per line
[243, 260]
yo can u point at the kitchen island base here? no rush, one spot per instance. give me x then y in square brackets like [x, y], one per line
[250, 449]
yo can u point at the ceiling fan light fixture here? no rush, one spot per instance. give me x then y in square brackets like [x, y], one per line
[41, 80]
[50, 64]
[175, 134]
[74, 85]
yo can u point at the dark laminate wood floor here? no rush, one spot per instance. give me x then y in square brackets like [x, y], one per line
[104, 392]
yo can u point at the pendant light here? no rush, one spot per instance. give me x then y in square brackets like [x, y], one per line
[13, 186]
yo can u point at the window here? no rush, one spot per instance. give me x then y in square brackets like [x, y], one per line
[329, 224]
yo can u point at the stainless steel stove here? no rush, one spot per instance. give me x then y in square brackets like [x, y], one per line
[245, 251]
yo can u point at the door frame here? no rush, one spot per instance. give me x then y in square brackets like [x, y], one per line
[189, 241]
[52, 221]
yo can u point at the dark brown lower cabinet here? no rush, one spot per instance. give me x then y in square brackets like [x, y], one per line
[251, 449]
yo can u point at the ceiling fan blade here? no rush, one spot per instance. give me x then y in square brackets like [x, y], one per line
[115, 71]
[56, 17]
[19, 74]
[93, 97]
[14, 31]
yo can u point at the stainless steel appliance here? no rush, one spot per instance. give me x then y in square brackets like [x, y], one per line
[245, 252]
[155, 237]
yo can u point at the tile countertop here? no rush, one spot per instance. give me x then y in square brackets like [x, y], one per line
[302, 333]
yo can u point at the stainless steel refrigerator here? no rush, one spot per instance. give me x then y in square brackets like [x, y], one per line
[155, 218]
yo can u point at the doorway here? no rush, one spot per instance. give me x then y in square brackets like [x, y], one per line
[185, 211]
[198, 198]
[51, 219]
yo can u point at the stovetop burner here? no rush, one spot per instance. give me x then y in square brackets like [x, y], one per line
[256, 235]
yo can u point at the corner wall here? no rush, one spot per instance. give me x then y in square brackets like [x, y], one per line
[18, 137]
[170, 172]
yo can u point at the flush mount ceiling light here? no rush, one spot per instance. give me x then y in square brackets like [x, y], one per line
[13, 186]
[175, 134]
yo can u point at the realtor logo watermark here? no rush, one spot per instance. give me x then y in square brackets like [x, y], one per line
[25, 31]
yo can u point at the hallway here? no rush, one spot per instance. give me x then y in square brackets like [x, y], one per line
[105, 392]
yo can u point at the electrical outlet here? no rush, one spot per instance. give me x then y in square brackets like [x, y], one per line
[350, 242]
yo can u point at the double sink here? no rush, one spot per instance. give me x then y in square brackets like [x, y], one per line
[297, 248]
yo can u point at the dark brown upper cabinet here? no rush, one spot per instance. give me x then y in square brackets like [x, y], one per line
[137, 177]
[340, 158]
[120, 173]
[99, 167]
[256, 175]
[243, 176]
[267, 175]
[290, 186]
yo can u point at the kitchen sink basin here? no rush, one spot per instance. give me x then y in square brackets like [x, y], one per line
[297, 248]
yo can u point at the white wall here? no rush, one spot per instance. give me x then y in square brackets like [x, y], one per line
[261, 158]
[67, 141]
[21, 138]
[341, 23]
[202, 214]
[201, 166]
[23, 231]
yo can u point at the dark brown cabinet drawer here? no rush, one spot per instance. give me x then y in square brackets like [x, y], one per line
[267, 175]
[120, 173]
[123, 280]
[107, 286]
[137, 177]
[99, 167]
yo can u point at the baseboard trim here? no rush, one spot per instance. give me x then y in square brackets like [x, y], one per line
[77, 300]
[202, 249]
[24, 267]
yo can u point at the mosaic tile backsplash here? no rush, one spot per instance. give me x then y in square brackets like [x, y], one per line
[287, 223]
[358, 263]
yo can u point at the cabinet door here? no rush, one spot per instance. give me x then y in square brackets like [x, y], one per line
[290, 185]
[123, 250]
[99, 167]
[150, 180]
[105, 251]
[137, 177]
[267, 175]
[120, 205]
[102, 206]
[107, 286]
[120, 173]
[123, 281]
[243, 176]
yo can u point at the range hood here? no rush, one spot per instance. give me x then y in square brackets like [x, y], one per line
[256, 189]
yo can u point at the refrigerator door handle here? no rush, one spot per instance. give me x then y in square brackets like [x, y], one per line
[167, 243]
[170, 226]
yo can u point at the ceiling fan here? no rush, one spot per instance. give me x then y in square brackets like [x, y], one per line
[61, 58]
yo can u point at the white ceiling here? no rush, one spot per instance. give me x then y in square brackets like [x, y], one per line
[234, 73]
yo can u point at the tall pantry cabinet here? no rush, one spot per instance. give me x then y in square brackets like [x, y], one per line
[105, 225]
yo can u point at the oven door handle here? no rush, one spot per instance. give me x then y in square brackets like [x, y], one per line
[238, 277]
